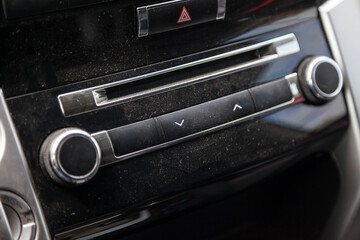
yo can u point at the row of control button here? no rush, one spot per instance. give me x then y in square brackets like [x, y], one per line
[207, 115]
[188, 121]
[63, 157]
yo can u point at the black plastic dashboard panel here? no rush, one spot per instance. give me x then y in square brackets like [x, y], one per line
[177, 168]
[82, 48]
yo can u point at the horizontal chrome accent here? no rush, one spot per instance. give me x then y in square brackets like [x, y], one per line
[89, 99]
[5, 229]
[109, 157]
[125, 223]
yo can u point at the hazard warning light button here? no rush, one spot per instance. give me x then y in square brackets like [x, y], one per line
[171, 15]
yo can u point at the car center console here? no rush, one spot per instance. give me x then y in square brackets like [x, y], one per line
[129, 111]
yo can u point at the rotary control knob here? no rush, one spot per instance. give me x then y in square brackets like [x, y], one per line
[70, 156]
[320, 78]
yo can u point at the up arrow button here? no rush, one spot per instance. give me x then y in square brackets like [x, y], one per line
[237, 106]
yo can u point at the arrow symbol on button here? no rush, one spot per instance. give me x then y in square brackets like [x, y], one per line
[237, 106]
[180, 124]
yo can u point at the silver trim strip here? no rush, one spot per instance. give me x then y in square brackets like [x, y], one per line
[93, 98]
[14, 172]
[221, 9]
[143, 215]
[5, 230]
[143, 21]
[109, 157]
[340, 20]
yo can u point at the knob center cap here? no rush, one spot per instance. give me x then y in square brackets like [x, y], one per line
[326, 77]
[77, 156]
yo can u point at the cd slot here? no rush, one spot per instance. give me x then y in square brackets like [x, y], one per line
[172, 78]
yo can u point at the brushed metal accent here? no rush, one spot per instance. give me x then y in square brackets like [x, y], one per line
[5, 230]
[340, 20]
[14, 172]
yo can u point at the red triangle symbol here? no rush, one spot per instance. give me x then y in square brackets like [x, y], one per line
[184, 16]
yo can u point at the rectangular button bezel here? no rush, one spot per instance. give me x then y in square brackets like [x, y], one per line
[144, 13]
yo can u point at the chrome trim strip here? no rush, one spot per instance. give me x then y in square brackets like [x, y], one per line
[5, 230]
[89, 99]
[221, 9]
[14, 171]
[109, 156]
[143, 215]
[143, 21]
[106, 147]
[294, 85]
[339, 19]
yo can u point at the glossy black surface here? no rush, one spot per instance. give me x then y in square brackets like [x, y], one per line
[294, 204]
[74, 45]
[270, 94]
[24, 8]
[267, 199]
[134, 137]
